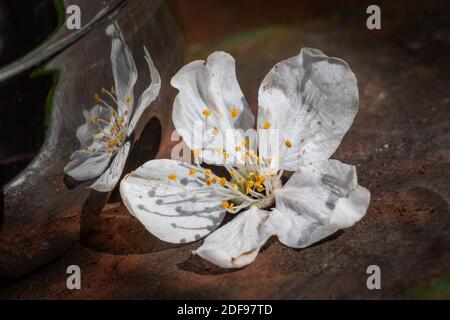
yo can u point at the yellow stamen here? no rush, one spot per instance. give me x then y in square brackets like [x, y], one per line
[225, 205]
[208, 172]
[97, 98]
[192, 172]
[234, 113]
[234, 186]
[207, 113]
[113, 90]
[259, 187]
[223, 182]
[128, 101]
[234, 174]
[172, 177]
[208, 182]
[250, 153]
[216, 179]
[260, 179]
[288, 143]
[267, 125]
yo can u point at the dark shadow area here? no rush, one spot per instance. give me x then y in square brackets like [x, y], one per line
[22, 114]
[200, 266]
[332, 237]
[70, 182]
[2, 203]
[145, 149]
[24, 25]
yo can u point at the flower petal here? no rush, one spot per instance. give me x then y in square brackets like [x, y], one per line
[236, 244]
[174, 211]
[312, 99]
[86, 165]
[209, 87]
[149, 95]
[124, 69]
[319, 200]
[111, 176]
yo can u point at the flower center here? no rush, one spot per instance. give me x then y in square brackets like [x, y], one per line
[244, 188]
[112, 131]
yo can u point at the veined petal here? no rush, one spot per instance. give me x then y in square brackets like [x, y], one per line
[236, 244]
[319, 200]
[149, 95]
[111, 176]
[171, 203]
[124, 69]
[209, 94]
[312, 99]
[88, 130]
[85, 165]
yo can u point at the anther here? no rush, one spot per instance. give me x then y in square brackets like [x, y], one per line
[223, 182]
[234, 113]
[288, 143]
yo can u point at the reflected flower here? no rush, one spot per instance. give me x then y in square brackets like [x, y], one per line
[104, 138]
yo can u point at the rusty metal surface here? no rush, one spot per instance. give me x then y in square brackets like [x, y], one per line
[400, 143]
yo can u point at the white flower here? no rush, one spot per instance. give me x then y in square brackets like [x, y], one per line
[104, 137]
[312, 99]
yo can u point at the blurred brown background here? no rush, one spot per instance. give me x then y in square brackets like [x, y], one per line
[211, 20]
